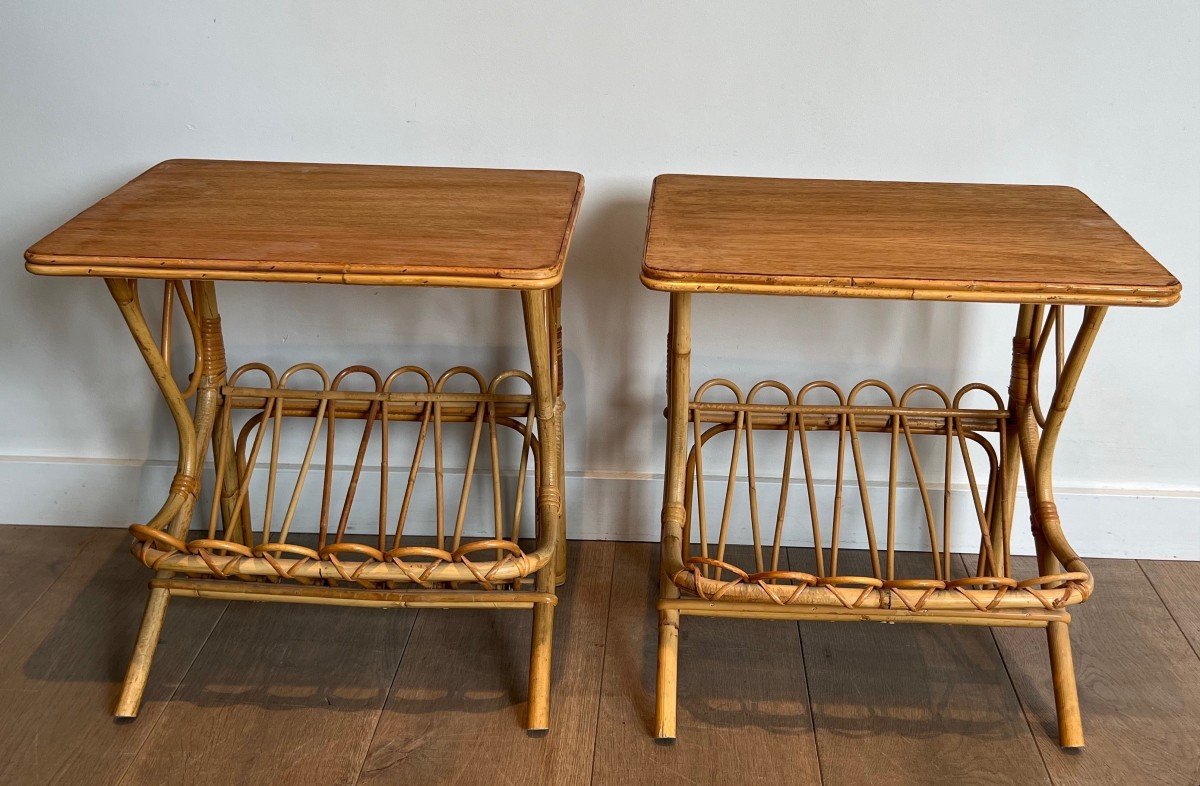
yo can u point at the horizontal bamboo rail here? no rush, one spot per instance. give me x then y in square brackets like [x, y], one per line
[342, 596]
[1024, 618]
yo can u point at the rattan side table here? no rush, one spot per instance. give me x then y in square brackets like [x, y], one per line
[189, 223]
[1045, 248]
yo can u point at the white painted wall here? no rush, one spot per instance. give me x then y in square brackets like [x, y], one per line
[1100, 95]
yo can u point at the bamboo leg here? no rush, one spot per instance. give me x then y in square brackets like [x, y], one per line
[1018, 408]
[194, 431]
[666, 697]
[555, 310]
[1047, 526]
[143, 654]
[1052, 548]
[1066, 695]
[560, 553]
[540, 654]
[536, 306]
[678, 388]
[213, 349]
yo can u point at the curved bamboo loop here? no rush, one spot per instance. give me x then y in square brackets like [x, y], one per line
[179, 500]
[695, 561]
[327, 401]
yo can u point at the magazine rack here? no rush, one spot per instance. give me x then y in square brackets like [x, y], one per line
[1045, 248]
[190, 222]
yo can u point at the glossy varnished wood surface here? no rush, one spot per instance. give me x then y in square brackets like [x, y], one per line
[275, 693]
[343, 223]
[933, 241]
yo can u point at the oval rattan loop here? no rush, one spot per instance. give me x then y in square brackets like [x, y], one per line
[868, 582]
[930, 586]
[485, 578]
[418, 573]
[982, 581]
[270, 552]
[481, 545]
[149, 537]
[1056, 597]
[763, 577]
[1003, 585]
[157, 536]
[1041, 581]
[740, 575]
[203, 548]
[834, 584]
[373, 556]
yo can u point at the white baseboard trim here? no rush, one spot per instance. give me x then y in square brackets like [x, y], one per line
[1100, 522]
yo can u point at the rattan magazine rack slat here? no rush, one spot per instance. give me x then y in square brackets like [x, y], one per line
[190, 222]
[1045, 248]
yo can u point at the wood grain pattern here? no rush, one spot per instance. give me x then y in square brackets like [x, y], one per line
[249, 710]
[457, 708]
[943, 241]
[30, 561]
[270, 677]
[900, 704]
[1175, 583]
[1139, 686]
[323, 223]
[62, 664]
[743, 705]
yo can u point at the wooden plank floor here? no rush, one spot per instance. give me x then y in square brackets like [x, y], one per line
[255, 693]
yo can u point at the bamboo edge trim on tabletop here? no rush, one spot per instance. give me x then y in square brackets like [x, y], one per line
[84, 246]
[914, 289]
[499, 229]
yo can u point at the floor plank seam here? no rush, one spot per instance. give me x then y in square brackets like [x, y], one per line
[362, 766]
[1033, 733]
[812, 715]
[612, 573]
[133, 759]
[1167, 606]
[1020, 703]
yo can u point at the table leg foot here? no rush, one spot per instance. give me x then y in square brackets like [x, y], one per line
[143, 655]
[668, 669]
[1066, 697]
[539, 668]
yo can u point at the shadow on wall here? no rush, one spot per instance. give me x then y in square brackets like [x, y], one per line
[608, 305]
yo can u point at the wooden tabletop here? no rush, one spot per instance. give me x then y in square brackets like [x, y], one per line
[324, 223]
[921, 241]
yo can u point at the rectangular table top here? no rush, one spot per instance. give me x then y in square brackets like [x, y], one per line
[923, 241]
[324, 223]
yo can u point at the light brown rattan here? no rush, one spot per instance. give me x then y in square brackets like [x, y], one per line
[192, 222]
[989, 440]
[244, 552]
[1044, 247]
